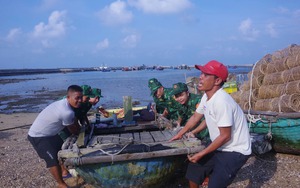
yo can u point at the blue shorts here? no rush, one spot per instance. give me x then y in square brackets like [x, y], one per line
[47, 148]
[221, 167]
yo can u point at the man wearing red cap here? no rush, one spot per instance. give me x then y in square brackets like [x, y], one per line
[228, 130]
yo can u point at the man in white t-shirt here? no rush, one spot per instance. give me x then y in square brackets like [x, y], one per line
[43, 134]
[228, 130]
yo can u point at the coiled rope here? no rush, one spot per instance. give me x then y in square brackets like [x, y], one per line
[251, 118]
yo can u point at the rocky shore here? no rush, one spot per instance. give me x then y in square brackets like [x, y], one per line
[21, 167]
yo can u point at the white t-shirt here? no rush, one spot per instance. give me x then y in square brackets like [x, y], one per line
[222, 111]
[52, 119]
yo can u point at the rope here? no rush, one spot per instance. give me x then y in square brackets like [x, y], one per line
[251, 118]
[269, 134]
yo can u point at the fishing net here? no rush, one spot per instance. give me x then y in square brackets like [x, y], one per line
[246, 105]
[245, 95]
[282, 77]
[236, 96]
[275, 83]
[284, 103]
[293, 61]
[256, 81]
[292, 87]
[274, 78]
[271, 91]
[263, 105]
[245, 86]
[261, 65]
[291, 74]
[277, 65]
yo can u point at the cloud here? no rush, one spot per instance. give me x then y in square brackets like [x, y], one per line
[160, 6]
[271, 30]
[56, 26]
[13, 34]
[102, 44]
[130, 41]
[115, 14]
[248, 31]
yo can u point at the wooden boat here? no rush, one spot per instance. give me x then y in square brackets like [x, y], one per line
[283, 129]
[128, 156]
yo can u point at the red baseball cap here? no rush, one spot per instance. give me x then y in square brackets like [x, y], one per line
[215, 68]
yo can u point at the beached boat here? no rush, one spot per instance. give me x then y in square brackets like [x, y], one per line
[143, 157]
[282, 129]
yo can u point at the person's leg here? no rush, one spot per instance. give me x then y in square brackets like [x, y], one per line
[193, 184]
[56, 173]
[197, 172]
[64, 171]
[47, 149]
[226, 167]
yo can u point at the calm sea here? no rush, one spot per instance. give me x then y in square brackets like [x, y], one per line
[114, 85]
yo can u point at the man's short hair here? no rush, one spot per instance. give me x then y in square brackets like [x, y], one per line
[74, 88]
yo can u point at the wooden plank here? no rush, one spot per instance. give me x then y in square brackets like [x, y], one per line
[92, 142]
[106, 139]
[126, 157]
[137, 137]
[146, 137]
[158, 136]
[114, 130]
[126, 137]
[116, 138]
[168, 134]
[80, 139]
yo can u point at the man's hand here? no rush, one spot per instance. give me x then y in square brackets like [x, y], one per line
[190, 135]
[176, 137]
[195, 158]
[165, 113]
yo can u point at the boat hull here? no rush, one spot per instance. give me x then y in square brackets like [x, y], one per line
[285, 133]
[152, 172]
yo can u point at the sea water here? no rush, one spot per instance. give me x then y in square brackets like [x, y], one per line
[114, 84]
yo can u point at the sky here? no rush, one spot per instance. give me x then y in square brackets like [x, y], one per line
[93, 33]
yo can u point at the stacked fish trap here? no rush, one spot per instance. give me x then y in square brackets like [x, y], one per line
[274, 83]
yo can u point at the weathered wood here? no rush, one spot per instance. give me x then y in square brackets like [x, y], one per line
[114, 130]
[158, 136]
[137, 137]
[106, 139]
[80, 139]
[146, 137]
[116, 138]
[135, 156]
[128, 113]
[126, 137]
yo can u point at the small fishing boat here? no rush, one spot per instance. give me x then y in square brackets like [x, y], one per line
[128, 154]
[282, 129]
[138, 158]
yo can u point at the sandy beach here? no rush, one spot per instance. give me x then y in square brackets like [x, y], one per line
[21, 167]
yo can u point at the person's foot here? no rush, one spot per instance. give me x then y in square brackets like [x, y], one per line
[205, 182]
[62, 185]
[66, 176]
